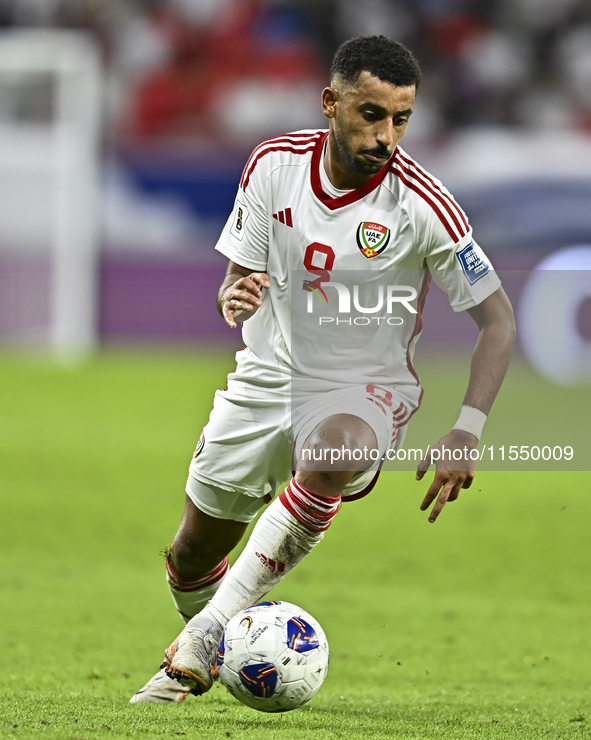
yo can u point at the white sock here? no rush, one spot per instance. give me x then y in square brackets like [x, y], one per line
[190, 595]
[286, 532]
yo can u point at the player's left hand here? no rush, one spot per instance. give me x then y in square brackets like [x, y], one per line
[450, 475]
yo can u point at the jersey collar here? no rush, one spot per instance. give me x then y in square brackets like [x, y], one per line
[351, 196]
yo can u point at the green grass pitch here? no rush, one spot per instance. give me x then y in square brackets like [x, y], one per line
[475, 627]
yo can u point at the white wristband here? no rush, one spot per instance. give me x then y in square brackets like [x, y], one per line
[471, 420]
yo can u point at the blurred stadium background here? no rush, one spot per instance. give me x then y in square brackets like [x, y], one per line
[124, 126]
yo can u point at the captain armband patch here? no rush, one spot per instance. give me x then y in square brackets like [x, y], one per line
[239, 219]
[473, 262]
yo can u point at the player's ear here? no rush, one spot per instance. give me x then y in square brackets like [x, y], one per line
[329, 101]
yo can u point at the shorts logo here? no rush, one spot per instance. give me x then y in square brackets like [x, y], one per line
[372, 238]
[473, 262]
[239, 219]
[200, 445]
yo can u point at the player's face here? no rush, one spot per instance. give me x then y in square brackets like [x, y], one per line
[366, 123]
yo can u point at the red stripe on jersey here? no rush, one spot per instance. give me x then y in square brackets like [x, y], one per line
[293, 139]
[268, 151]
[446, 196]
[276, 145]
[281, 216]
[288, 220]
[438, 202]
[348, 198]
[286, 138]
[413, 186]
[417, 330]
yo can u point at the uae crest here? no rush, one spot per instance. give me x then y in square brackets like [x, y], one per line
[372, 238]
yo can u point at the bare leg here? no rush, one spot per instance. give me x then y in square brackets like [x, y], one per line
[285, 533]
[333, 433]
[202, 541]
[198, 562]
[295, 522]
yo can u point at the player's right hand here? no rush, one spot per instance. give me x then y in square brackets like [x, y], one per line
[242, 299]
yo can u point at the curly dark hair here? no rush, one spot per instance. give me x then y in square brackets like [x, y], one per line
[386, 59]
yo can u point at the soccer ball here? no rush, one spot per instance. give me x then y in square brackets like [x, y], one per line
[273, 656]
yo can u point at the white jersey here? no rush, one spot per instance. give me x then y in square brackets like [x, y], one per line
[402, 226]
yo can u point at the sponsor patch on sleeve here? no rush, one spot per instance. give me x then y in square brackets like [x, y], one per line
[239, 219]
[473, 262]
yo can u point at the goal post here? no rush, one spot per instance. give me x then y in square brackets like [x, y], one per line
[50, 136]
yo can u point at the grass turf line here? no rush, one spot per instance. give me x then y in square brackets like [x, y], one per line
[476, 627]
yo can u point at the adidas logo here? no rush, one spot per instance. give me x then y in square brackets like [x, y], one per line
[270, 564]
[284, 217]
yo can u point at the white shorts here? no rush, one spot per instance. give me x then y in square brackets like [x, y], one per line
[247, 451]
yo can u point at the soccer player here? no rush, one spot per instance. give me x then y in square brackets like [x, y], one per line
[347, 201]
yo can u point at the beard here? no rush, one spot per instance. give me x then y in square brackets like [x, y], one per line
[349, 157]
